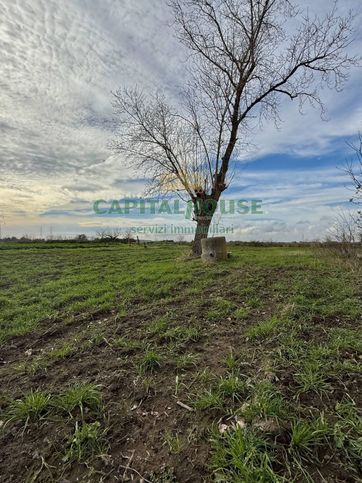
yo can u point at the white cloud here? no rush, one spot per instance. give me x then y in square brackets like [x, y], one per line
[59, 62]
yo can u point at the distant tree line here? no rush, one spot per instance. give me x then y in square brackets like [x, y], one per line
[109, 236]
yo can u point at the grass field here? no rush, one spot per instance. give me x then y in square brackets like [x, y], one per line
[120, 363]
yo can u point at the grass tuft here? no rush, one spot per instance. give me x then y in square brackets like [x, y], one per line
[127, 344]
[242, 313]
[182, 335]
[232, 387]
[266, 328]
[208, 399]
[312, 378]
[174, 442]
[150, 362]
[85, 442]
[232, 362]
[158, 326]
[32, 407]
[347, 430]
[79, 396]
[265, 402]
[220, 309]
[185, 361]
[306, 436]
[241, 456]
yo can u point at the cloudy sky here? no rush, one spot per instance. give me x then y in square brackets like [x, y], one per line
[59, 63]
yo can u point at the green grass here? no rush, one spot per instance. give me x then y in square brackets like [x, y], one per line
[208, 399]
[265, 401]
[267, 344]
[127, 344]
[241, 456]
[174, 442]
[150, 362]
[232, 362]
[232, 387]
[306, 436]
[220, 308]
[182, 335]
[85, 441]
[227, 390]
[185, 361]
[47, 358]
[266, 328]
[79, 396]
[343, 339]
[65, 281]
[158, 326]
[312, 378]
[33, 407]
[242, 313]
[347, 430]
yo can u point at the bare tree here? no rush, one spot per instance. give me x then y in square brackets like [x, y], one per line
[127, 236]
[81, 238]
[244, 60]
[344, 229]
[344, 240]
[354, 171]
[109, 235]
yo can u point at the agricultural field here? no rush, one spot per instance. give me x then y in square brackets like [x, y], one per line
[121, 363]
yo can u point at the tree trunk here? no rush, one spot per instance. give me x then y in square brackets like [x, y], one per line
[202, 229]
[204, 209]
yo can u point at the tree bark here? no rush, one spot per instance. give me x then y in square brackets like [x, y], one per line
[204, 209]
[202, 230]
